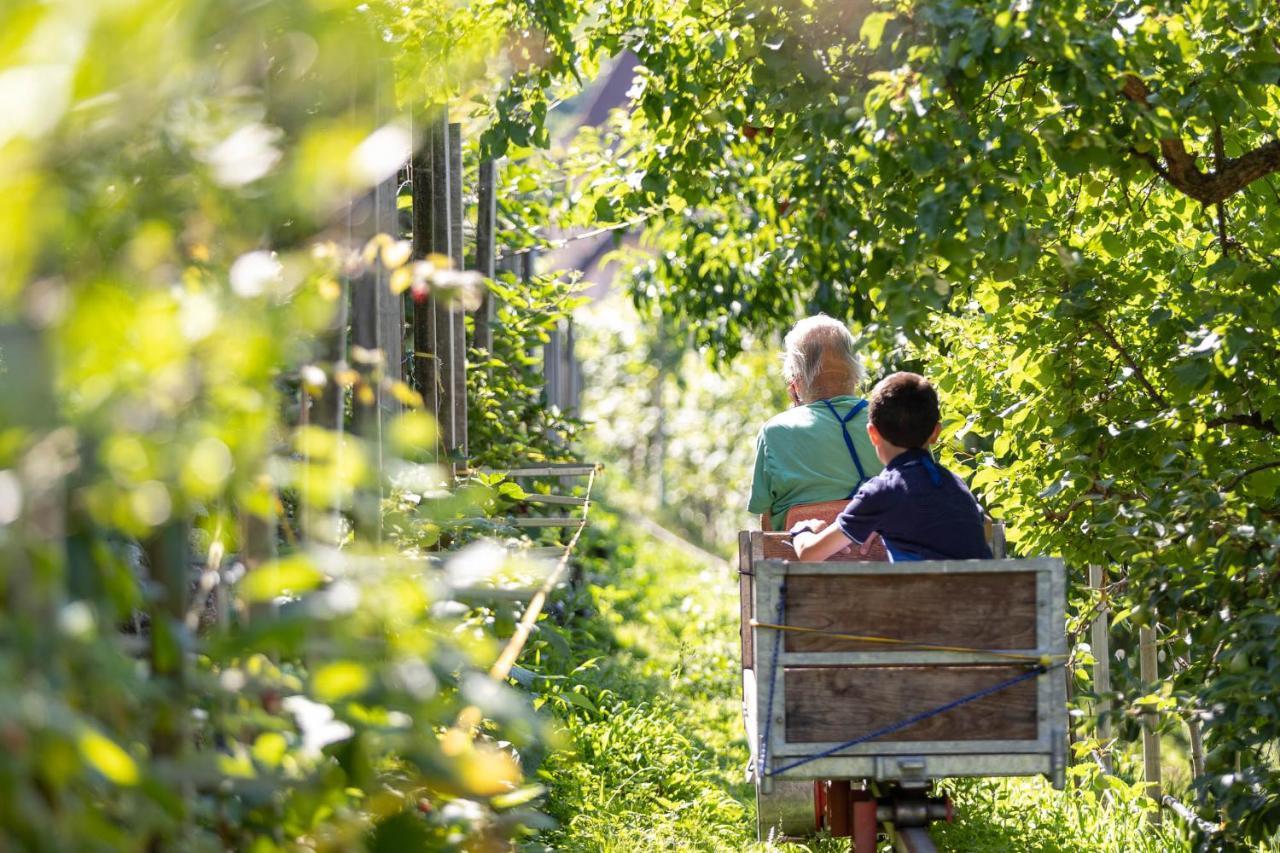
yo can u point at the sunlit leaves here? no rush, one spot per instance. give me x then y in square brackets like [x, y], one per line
[290, 575]
[104, 755]
[338, 680]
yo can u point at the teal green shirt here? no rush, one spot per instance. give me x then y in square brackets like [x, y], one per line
[801, 458]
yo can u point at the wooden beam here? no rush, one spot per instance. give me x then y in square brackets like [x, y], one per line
[454, 368]
[999, 610]
[558, 500]
[554, 469]
[425, 369]
[558, 521]
[1147, 671]
[1100, 639]
[486, 234]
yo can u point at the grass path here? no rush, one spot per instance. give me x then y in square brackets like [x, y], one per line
[653, 752]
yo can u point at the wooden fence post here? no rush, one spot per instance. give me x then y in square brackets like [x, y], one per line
[486, 232]
[552, 358]
[377, 323]
[169, 569]
[455, 366]
[439, 334]
[1101, 643]
[1150, 720]
[327, 410]
[430, 230]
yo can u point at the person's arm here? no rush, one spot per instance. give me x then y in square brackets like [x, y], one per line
[820, 541]
[761, 500]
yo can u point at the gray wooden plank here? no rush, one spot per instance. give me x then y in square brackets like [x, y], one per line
[486, 235]
[559, 521]
[998, 612]
[555, 500]
[570, 469]
[936, 766]
[834, 704]
[907, 657]
[1038, 564]
[770, 693]
[456, 366]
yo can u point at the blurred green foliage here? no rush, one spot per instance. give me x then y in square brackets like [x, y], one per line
[226, 622]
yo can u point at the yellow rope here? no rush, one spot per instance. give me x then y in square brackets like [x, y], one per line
[1045, 660]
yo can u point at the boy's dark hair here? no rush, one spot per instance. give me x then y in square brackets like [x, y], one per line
[904, 409]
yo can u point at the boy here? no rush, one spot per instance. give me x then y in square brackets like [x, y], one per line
[921, 510]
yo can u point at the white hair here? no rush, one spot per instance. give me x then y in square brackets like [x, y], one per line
[817, 342]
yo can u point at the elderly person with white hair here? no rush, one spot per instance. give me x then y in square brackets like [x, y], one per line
[818, 450]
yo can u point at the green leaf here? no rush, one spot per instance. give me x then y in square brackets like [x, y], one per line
[102, 754]
[293, 574]
[872, 32]
[575, 698]
[338, 680]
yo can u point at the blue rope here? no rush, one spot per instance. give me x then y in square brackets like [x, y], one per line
[763, 747]
[848, 439]
[910, 721]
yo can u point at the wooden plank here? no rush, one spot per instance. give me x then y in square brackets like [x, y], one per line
[555, 500]
[425, 366]
[565, 469]
[375, 310]
[551, 363]
[1047, 565]
[979, 611]
[745, 589]
[841, 703]
[455, 368]
[169, 570]
[386, 220]
[486, 235]
[441, 322]
[558, 521]
[572, 373]
[906, 656]
[1147, 671]
[777, 546]
[1100, 637]
[936, 766]
[999, 547]
[541, 552]
[770, 687]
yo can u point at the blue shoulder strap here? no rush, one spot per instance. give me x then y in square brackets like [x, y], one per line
[929, 465]
[848, 439]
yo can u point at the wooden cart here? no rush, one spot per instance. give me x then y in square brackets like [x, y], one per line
[872, 679]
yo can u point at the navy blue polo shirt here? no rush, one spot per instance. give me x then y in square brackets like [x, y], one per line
[918, 507]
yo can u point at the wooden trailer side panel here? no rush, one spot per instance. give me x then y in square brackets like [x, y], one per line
[837, 704]
[998, 612]
[965, 627]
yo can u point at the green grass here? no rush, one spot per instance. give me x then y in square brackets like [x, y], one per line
[653, 752]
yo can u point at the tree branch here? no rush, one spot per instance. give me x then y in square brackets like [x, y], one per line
[1249, 419]
[1239, 478]
[1155, 395]
[1181, 171]
[1219, 160]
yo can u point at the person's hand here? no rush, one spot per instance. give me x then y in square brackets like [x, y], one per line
[809, 525]
[865, 548]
